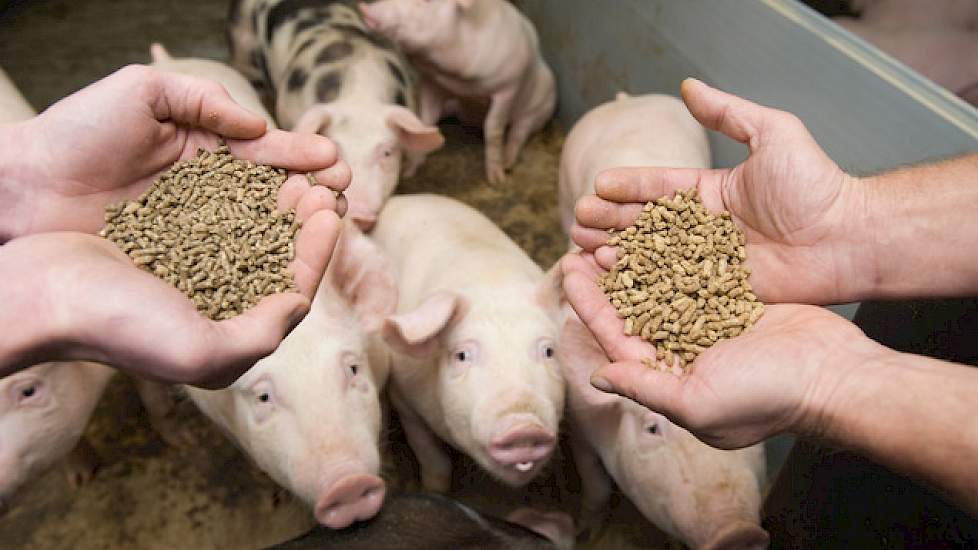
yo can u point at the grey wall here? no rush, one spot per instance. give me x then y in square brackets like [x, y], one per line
[868, 111]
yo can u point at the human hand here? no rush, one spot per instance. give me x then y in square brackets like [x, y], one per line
[89, 301]
[109, 141]
[778, 376]
[795, 205]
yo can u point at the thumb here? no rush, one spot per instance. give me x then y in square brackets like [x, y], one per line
[654, 389]
[735, 117]
[244, 339]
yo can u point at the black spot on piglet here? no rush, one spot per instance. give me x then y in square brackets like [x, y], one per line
[328, 87]
[335, 51]
[297, 79]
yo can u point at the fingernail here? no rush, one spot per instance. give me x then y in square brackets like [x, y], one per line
[601, 384]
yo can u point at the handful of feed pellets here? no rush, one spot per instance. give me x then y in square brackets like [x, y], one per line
[209, 227]
[680, 282]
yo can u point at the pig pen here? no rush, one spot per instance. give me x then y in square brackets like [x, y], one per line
[150, 495]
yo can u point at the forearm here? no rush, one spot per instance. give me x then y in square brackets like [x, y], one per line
[921, 228]
[913, 414]
[14, 191]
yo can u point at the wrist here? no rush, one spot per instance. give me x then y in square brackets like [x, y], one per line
[843, 374]
[856, 241]
[14, 180]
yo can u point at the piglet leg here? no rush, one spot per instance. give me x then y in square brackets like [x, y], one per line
[81, 464]
[161, 407]
[595, 486]
[495, 133]
[436, 465]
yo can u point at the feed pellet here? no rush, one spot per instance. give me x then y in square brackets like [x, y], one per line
[209, 227]
[680, 282]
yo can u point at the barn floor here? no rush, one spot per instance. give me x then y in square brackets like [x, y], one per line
[149, 495]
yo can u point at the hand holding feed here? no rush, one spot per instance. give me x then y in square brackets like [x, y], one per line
[93, 303]
[793, 203]
[740, 391]
[108, 142]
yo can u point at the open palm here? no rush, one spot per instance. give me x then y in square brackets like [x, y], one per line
[109, 141]
[794, 204]
[739, 391]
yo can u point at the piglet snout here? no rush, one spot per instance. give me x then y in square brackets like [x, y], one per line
[522, 447]
[741, 535]
[365, 221]
[353, 498]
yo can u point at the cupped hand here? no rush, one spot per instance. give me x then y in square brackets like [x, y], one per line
[109, 141]
[773, 378]
[100, 307]
[794, 204]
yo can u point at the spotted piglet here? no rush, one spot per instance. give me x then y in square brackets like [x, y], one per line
[473, 52]
[330, 75]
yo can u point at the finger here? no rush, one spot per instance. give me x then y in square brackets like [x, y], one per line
[291, 192]
[598, 213]
[735, 117]
[653, 388]
[337, 177]
[580, 262]
[588, 238]
[313, 249]
[606, 256]
[644, 184]
[239, 342]
[316, 198]
[203, 103]
[289, 150]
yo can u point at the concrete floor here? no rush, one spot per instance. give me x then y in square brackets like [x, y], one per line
[148, 495]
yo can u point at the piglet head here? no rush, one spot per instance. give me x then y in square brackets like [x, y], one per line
[415, 24]
[372, 139]
[708, 498]
[497, 375]
[43, 412]
[310, 413]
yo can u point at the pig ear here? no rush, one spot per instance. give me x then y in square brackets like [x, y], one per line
[415, 332]
[314, 121]
[413, 134]
[158, 53]
[550, 291]
[361, 274]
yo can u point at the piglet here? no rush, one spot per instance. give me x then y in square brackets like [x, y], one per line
[44, 410]
[329, 75]
[472, 51]
[475, 338]
[706, 497]
[13, 106]
[234, 82]
[309, 414]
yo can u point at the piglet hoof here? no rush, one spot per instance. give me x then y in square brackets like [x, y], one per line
[495, 173]
[81, 465]
[557, 527]
[174, 433]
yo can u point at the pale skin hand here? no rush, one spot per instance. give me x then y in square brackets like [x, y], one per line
[794, 204]
[107, 142]
[74, 296]
[800, 368]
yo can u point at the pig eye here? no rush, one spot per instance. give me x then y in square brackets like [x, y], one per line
[29, 393]
[351, 364]
[546, 350]
[264, 397]
[652, 429]
[464, 354]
